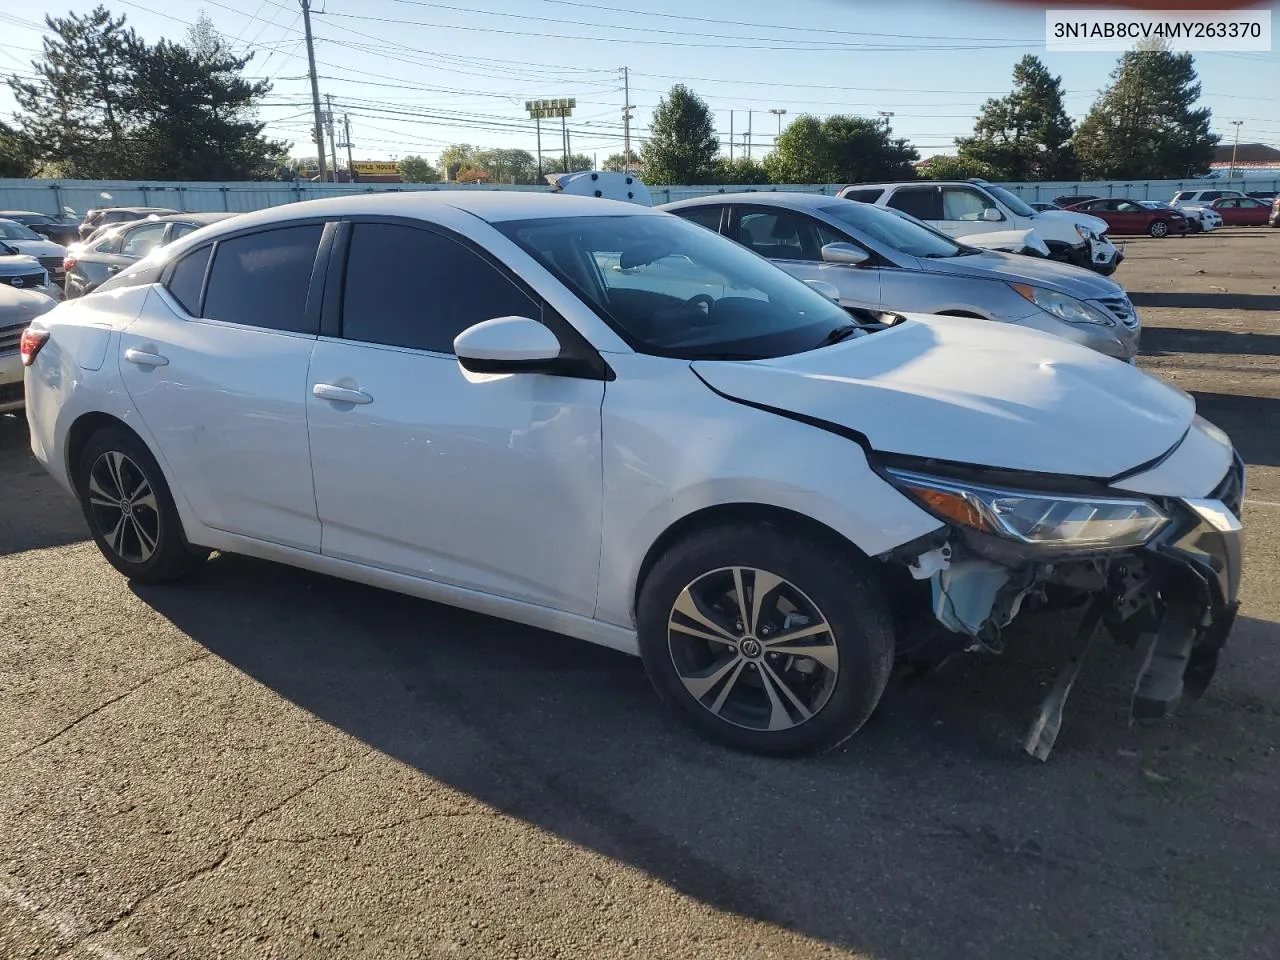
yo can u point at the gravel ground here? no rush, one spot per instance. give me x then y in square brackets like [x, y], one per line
[266, 763]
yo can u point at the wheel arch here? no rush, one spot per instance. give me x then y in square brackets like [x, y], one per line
[736, 513]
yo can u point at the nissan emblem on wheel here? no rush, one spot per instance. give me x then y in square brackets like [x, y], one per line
[622, 426]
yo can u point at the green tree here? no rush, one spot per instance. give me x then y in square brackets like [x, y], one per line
[15, 157]
[1027, 134]
[839, 149]
[957, 168]
[579, 162]
[195, 115]
[682, 143]
[1145, 124]
[415, 169]
[741, 170]
[508, 166]
[73, 114]
[458, 157]
[616, 161]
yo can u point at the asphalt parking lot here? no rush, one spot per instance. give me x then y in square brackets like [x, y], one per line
[266, 763]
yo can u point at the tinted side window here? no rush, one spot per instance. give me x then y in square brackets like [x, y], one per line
[187, 279]
[862, 196]
[923, 203]
[446, 288]
[1211, 195]
[263, 279]
[708, 217]
[778, 234]
[959, 203]
[140, 241]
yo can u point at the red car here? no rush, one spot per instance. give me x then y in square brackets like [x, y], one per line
[1125, 216]
[1242, 211]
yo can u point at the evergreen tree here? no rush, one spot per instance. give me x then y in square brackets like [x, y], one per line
[73, 115]
[417, 170]
[1027, 134]
[15, 159]
[741, 170]
[1145, 124]
[682, 143]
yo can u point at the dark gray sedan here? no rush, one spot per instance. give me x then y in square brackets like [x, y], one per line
[116, 249]
[878, 260]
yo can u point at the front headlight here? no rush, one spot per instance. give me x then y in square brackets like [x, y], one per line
[1085, 233]
[1062, 306]
[1035, 519]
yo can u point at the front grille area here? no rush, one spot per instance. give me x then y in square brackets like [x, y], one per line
[1121, 309]
[1231, 490]
[29, 280]
[10, 337]
[52, 264]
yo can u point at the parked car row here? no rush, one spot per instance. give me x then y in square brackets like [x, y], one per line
[1190, 211]
[744, 483]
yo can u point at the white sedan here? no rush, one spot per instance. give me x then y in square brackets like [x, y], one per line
[602, 420]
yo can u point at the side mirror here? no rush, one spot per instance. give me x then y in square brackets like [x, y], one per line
[846, 253]
[507, 345]
[828, 290]
[992, 215]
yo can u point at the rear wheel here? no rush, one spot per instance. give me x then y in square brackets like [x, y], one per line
[1158, 228]
[130, 511]
[766, 639]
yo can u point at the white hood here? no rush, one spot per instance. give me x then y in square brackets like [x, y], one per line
[974, 392]
[1073, 217]
[1007, 241]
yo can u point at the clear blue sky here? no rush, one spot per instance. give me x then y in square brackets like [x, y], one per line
[416, 75]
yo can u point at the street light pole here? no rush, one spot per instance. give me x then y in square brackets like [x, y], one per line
[1232, 172]
[887, 115]
[779, 114]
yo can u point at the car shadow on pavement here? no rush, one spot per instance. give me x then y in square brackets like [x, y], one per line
[1253, 423]
[1161, 341]
[1205, 301]
[45, 515]
[928, 836]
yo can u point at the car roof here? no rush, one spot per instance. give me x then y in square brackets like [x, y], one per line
[134, 210]
[492, 206]
[774, 198]
[192, 218]
[7, 214]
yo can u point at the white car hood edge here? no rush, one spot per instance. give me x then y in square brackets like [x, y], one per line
[972, 392]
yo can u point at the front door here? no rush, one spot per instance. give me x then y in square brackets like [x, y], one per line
[218, 373]
[488, 482]
[794, 242]
[964, 211]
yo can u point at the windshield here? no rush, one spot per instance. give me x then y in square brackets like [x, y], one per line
[906, 235]
[11, 230]
[1012, 201]
[673, 288]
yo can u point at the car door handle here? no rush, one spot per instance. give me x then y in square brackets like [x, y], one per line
[113, 269]
[331, 391]
[144, 359]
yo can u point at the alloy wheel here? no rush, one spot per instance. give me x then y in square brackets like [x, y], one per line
[752, 648]
[124, 507]
[1159, 228]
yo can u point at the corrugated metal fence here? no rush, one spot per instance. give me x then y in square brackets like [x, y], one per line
[52, 196]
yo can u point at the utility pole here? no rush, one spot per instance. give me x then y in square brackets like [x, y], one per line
[731, 136]
[750, 114]
[333, 146]
[626, 120]
[1232, 172]
[346, 135]
[564, 140]
[315, 86]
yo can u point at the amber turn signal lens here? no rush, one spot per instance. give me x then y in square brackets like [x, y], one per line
[952, 506]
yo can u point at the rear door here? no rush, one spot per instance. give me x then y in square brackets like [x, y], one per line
[216, 365]
[1129, 217]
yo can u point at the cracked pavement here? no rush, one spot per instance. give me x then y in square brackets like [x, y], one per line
[266, 763]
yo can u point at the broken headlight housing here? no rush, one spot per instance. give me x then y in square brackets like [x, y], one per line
[1034, 519]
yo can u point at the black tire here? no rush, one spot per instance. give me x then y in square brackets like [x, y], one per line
[839, 585]
[145, 540]
[1195, 226]
[1158, 228]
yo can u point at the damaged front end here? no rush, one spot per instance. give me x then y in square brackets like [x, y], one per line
[1161, 573]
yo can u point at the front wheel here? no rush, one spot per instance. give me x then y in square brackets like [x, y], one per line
[766, 639]
[130, 511]
[1158, 228]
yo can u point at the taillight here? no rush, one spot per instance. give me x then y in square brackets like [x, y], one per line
[30, 344]
[68, 263]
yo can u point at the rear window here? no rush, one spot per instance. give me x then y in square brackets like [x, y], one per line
[923, 203]
[862, 196]
[187, 279]
[263, 279]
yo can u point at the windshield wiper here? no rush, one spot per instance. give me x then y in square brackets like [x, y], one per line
[723, 355]
[838, 334]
